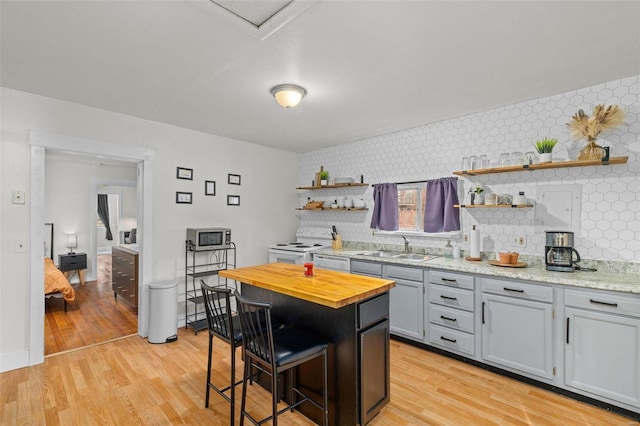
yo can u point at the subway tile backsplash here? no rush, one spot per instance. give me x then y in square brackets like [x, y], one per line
[609, 221]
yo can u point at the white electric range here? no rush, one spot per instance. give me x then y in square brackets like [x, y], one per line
[308, 241]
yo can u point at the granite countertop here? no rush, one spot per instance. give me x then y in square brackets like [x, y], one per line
[601, 280]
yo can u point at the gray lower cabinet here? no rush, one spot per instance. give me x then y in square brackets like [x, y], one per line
[370, 269]
[451, 312]
[517, 327]
[602, 345]
[406, 306]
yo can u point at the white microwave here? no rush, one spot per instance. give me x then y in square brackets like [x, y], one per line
[202, 239]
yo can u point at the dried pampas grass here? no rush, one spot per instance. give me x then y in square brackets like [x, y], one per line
[603, 118]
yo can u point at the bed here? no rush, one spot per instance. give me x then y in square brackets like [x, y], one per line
[56, 285]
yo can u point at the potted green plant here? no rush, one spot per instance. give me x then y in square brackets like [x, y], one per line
[324, 177]
[476, 194]
[544, 148]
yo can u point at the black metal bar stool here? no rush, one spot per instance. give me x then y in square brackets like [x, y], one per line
[275, 351]
[225, 326]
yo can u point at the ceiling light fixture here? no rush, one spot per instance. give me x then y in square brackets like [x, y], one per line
[288, 95]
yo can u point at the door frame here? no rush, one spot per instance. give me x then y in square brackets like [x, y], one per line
[145, 159]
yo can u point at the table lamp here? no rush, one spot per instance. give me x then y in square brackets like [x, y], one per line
[72, 241]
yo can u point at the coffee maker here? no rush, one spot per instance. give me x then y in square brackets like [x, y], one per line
[559, 252]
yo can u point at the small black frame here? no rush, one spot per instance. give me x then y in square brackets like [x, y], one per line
[184, 173]
[209, 187]
[233, 200]
[184, 197]
[233, 179]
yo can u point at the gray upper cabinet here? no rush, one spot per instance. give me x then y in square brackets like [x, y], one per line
[602, 345]
[517, 327]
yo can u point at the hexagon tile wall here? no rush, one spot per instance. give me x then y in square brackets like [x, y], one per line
[610, 210]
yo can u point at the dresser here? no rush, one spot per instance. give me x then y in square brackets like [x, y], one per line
[124, 275]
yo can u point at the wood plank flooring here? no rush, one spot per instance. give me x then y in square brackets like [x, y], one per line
[130, 381]
[94, 317]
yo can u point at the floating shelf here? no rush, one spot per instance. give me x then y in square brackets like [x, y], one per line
[542, 166]
[493, 206]
[340, 185]
[330, 209]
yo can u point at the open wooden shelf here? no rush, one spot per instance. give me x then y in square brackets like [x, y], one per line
[340, 185]
[330, 209]
[542, 166]
[493, 206]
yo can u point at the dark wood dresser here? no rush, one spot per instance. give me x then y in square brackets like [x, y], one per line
[124, 275]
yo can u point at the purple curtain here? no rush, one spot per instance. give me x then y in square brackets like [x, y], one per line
[385, 207]
[440, 215]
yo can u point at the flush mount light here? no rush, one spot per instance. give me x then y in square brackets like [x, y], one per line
[288, 95]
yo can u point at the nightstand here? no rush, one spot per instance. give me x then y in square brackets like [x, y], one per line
[73, 262]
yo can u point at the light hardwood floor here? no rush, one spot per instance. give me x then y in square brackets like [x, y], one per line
[129, 381]
[94, 317]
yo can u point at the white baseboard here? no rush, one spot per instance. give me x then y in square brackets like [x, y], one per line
[13, 361]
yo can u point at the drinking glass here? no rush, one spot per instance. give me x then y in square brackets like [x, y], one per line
[505, 159]
[474, 162]
[517, 158]
[529, 157]
[483, 161]
[466, 163]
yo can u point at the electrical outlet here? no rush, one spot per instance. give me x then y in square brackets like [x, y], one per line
[521, 240]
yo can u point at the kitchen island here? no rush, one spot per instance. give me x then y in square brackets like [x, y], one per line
[352, 313]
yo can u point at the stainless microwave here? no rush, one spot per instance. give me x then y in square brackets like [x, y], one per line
[202, 239]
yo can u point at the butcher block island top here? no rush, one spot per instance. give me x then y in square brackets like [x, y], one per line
[328, 288]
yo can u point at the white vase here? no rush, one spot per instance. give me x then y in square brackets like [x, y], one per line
[323, 182]
[545, 157]
[478, 199]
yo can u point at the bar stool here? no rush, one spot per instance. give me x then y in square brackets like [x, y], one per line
[225, 326]
[275, 351]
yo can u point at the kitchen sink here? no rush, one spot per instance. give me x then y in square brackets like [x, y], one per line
[398, 255]
[416, 257]
[380, 253]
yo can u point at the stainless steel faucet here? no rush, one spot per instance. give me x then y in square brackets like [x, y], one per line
[406, 244]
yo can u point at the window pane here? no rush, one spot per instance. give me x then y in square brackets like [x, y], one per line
[407, 208]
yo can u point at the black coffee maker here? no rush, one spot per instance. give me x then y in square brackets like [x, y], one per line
[559, 252]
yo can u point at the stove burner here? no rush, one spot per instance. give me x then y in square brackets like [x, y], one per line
[282, 244]
[295, 244]
[299, 246]
[317, 245]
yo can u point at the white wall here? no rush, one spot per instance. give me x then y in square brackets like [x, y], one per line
[610, 221]
[266, 213]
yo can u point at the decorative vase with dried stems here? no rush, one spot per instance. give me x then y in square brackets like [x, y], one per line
[583, 126]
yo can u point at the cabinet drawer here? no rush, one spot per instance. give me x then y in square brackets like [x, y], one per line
[71, 262]
[451, 339]
[373, 310]
[366, 268]
[451, 279]
[539, 293]
[403, 273]
[452, 297]
[604, 302]
[451, 318]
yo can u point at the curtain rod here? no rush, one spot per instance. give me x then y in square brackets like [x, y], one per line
[410, 182]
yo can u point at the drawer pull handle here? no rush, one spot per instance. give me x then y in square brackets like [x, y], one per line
[448, 280]
[568, 319]
[514, 290]
[447, 318]
[448, 298]
[483, 303]
[448, 340]
[599, 302]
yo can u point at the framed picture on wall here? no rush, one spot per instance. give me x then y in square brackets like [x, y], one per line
[233, 200]
[209, 187]
[234, 179]
[183, 173]
[183, 197]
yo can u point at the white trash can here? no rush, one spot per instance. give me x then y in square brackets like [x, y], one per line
[163, 312]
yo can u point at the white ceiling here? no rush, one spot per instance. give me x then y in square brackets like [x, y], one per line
[370, 67]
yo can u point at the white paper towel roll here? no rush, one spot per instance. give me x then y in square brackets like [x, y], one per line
[474, 243]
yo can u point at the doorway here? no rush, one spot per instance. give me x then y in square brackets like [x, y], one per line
[40, 142]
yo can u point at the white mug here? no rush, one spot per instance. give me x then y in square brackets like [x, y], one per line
[491, 199]
[504, 199]
[348, 203]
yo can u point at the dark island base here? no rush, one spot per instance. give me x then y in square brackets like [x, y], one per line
[340, 328]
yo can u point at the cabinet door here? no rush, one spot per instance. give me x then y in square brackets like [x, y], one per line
[602, 354]
[518, 334]
[374, 370]
[406, 310]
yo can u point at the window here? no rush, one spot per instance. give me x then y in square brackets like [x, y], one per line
[411, 205]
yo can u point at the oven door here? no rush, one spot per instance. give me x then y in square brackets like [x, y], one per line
[284, 256]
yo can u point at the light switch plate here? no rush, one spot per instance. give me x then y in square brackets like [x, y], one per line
[17, 197]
